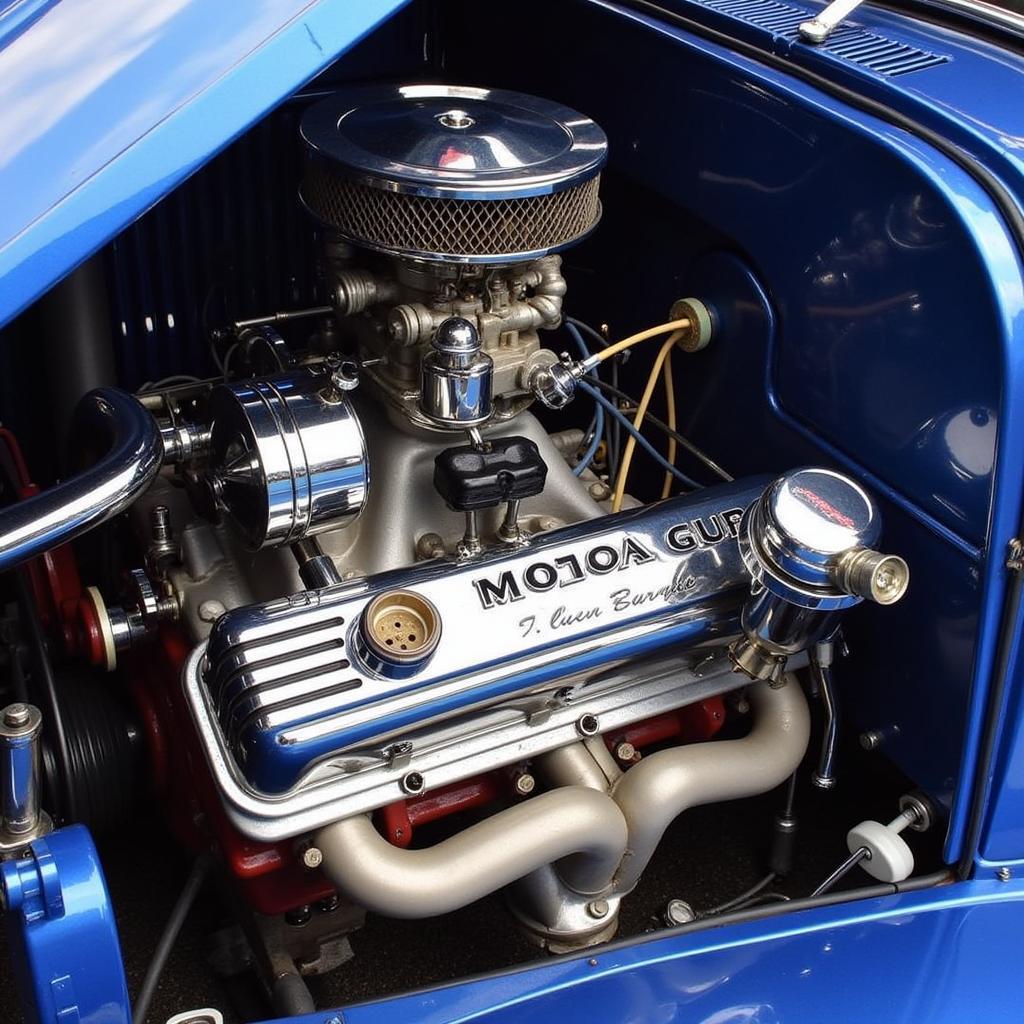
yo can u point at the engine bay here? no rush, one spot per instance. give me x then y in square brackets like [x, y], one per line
[520, 573]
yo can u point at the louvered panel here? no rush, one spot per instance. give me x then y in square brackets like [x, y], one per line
[883, 56]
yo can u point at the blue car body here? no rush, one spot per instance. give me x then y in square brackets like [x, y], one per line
[880, 288]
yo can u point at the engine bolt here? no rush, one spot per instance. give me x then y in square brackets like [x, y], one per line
[626, 752]
[329, 904]
[16, 715]
[871, 740]
[525, 784]
[599, 490]
[412, 783]
[598, 908]
[298, 916]
[679, 912]
[210, 611]
[312, 857]
[1004, 874]
[430, 545]
[588, 725]
[160, 522]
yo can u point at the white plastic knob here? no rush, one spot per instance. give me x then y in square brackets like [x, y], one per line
[891, 858]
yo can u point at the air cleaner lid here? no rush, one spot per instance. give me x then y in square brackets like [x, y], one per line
[454, 141]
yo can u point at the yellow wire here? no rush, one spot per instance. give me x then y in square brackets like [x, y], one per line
[670, 401]
[633, 339]
[641, 412]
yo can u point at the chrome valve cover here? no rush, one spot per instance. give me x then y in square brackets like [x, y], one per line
[286, 687]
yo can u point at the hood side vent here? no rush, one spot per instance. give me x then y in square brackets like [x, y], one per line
[878, 54]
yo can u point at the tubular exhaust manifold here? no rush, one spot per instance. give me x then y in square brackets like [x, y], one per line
[595, 844]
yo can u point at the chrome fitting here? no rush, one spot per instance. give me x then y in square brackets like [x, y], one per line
[456, 377]
[555, 385]
[807, 544]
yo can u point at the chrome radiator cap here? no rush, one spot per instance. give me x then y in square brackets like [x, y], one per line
[452, 173]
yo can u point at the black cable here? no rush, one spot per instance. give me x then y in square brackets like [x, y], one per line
[744, 897]
[18, 684]
[198, 875]
[42, 674]
[683, 442]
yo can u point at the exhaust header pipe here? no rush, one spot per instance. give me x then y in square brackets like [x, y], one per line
[133, 450]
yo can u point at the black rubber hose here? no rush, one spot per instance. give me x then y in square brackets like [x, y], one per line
[46, 686]
[749, 894]
[200, 872]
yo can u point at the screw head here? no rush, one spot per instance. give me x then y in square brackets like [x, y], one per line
[679, 912]
[210, 611]
[598, 908]
[525, 784]
[413, 783]
[312, 857]
[17, 715]
[299, 916]
[625, 751]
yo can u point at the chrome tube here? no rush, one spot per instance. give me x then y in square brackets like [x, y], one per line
[20, 725]
[581, 829]
[660, 787]
[821, 668]
[133, 452]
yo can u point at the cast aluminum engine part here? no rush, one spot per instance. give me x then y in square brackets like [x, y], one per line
[450, 173]
[287, 456]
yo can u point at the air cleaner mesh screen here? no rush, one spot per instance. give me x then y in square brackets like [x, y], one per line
[451, 228]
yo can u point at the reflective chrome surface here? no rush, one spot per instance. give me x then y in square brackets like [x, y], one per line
[284, 683]
[129, 440]
[454, 141]
[806, 544]
[456, 377]
[799, 529]
[20, 726]
[369, 777]
[288, 458]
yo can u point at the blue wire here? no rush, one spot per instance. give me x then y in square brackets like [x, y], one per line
[570, 326]
[571, 321]
[595, 442]
[597, 424]
[640, 439]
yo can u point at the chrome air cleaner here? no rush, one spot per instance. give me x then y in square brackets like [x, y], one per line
[452, 174]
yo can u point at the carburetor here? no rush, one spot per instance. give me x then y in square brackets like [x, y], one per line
[445, 201]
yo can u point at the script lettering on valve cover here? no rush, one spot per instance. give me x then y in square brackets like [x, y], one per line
[566, 569]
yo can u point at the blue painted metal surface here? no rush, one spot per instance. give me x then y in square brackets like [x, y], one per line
[877, 256]
[940, 956]
[62, 934]
[108, 106]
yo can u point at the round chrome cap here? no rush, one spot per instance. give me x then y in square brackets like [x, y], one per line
[796, 536]
[454, 141]
[451, 174]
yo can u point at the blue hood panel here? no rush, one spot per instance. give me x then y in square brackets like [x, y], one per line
[108, 104]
